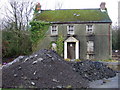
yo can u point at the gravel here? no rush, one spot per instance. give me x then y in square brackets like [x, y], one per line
[43, 69]
[46, 69]
[93, 70]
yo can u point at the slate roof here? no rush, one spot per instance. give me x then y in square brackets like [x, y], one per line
[73, 16]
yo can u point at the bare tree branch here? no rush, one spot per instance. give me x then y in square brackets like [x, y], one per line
[18, 14]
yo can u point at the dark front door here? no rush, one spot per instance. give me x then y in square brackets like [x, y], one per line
[71, 50]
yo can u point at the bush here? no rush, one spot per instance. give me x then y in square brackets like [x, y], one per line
[15, 43]
[38, 30]
[59, 43]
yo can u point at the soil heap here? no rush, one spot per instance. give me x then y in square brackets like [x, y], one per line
[43, 69]
[93, 70]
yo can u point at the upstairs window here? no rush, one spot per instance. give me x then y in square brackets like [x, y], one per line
[89, 29]
[54, 30]
[70, 29]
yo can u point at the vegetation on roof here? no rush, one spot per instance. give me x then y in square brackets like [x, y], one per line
[75, 15]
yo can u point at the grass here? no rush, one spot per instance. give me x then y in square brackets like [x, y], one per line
[71, 15]
[108, 60]
[76, 60]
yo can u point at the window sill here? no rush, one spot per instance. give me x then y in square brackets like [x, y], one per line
[73, 35]
[90, 34]
[54, 35]
[90, 53]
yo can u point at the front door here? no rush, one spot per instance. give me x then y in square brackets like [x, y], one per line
[71, 50]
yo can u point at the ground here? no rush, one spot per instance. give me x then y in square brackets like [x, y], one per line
[46, 68]
[108, 83]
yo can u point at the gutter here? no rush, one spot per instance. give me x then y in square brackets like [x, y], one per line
[81, 22]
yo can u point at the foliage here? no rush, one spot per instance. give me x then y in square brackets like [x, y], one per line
[115, 39]
[38, 30]
[77, 60]
[59, 43]
[69, 86]
[15, 43]
[67, 59]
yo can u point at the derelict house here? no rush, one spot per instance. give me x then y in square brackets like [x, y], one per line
[86, 32]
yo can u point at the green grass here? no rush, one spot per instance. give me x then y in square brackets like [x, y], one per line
[108, 60]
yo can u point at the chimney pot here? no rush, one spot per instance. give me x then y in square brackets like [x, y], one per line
[102, 5]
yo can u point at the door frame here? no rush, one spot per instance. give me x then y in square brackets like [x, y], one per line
[71, 39]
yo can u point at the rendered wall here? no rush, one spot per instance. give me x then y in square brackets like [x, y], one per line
[102, 40]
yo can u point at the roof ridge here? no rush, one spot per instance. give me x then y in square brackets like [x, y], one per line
[73, 9]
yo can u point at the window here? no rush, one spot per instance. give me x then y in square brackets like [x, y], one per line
[90, 50]
[70, 29]
[90, 56]
[54, 30]
[90, 46]
[89, 29]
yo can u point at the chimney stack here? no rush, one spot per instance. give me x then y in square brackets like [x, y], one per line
[102, 6]
[38, 7]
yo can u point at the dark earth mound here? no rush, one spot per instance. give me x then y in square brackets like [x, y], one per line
[93, 70]
[44, 69]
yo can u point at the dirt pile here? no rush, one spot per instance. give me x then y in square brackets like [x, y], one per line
[93, 70]
[44, 69]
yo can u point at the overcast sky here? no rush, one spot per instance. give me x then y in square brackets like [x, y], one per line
[111, 5]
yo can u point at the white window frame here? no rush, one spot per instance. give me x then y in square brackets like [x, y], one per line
[54, 31]
[89, 29]
[70, 29]
[90, 49]
[90, 46]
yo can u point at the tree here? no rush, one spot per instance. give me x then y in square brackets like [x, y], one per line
[115, 38]
[17, 15]
[58, 5]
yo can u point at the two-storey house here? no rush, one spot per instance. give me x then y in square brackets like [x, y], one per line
[86, 32]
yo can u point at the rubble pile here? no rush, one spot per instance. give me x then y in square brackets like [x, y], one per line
[43, 69]
[93, 70]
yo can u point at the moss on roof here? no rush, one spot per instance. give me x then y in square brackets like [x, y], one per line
[73, 15]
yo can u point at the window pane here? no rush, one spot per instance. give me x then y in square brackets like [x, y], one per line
[70, 29]
[90, 46]
[89, 28]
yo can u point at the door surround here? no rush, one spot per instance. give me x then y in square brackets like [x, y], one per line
[71, 39]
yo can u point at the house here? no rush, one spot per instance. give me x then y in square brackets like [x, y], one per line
[86, 32]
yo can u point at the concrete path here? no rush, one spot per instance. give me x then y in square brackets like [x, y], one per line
[108, 83]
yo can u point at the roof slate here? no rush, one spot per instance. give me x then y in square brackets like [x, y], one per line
[73, 16]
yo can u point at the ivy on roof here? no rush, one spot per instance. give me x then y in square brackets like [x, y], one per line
[73, 15]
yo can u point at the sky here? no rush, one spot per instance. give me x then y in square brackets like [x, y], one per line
[111, 5]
